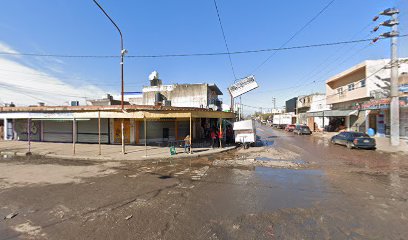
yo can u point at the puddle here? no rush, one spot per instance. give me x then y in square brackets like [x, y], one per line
[300, 187]
[299, 162]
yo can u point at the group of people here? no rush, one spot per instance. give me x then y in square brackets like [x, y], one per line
[216, 137]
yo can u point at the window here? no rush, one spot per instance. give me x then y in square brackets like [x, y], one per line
[363, 83]
[340, 91]
[351, 87]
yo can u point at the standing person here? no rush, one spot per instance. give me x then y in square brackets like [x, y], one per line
[187, 143]
[213, 136]
[220, 136]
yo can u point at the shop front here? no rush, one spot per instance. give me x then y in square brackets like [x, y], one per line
[377, 113]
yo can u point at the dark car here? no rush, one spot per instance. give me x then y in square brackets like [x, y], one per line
[302, 130]
[290, 128]
[354, 140]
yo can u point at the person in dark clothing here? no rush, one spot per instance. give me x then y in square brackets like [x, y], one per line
[213, 136]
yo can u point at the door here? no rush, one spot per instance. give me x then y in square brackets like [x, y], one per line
[341, 139]
[118, 130]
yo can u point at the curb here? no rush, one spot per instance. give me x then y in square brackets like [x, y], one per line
[101, 158]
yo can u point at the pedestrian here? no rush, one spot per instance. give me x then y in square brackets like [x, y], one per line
[213, 136]
[220, 136]
[187, 143]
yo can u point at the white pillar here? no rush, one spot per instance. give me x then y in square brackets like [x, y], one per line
[367, 120]
[5, 129]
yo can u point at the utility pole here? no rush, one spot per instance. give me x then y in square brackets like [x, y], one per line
[123, 52]
[273, 103]
[394, 106]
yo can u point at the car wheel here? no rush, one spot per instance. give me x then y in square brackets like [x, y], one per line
[333, 141]
[349, 145]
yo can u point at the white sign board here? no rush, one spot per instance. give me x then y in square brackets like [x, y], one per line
[245, 85]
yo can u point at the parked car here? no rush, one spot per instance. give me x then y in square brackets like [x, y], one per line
[290, 128]
[302, 130]
[354, 140]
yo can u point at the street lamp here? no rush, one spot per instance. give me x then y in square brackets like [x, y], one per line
[123, 52]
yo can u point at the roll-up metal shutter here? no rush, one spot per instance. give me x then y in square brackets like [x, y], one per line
[21, 129]
[57, 131]
[88, 131]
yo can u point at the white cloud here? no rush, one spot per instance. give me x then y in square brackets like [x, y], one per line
[25, 85]
[6, 48]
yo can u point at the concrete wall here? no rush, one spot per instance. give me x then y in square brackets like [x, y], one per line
[343, 82]
[318, 103]
[180, 95]
[376, 82]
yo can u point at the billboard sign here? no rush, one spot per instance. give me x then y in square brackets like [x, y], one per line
[245, 85]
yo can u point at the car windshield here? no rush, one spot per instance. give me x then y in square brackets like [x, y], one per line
[357, 134]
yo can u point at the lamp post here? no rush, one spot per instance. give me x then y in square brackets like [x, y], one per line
[123, 52]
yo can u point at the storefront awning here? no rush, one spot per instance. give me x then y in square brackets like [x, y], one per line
[332, 113]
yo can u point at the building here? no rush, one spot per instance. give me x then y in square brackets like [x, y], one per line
[360, 98]
[308, 106]
[108, 101]
[200, 95]
[291, 105]
[154, 125]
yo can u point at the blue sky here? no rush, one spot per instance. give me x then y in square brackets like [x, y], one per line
[77, 27]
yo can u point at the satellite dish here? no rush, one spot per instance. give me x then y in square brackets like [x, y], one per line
[153, 75]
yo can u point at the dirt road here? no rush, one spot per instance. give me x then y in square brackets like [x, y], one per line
[291, 187]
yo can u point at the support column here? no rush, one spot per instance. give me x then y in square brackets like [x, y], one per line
[74, 135]
[221, 133]
[5, 129]
[191, 137]
[145, 135]
[367, 120]
[99, 132]
[29, 134]
[41, 130]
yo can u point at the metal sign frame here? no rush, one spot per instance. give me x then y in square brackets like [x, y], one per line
[245, 85]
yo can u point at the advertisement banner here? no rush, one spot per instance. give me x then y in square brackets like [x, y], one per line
[245, 85]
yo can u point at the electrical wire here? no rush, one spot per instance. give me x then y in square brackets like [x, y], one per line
[225, 40]
[343, 92]
[294, 35]
[198, 54]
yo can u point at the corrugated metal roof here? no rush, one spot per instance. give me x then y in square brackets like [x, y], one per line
[100, 108]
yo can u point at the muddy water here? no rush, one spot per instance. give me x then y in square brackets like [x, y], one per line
[337, 194]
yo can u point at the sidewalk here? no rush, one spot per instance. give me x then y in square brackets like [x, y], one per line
[109, 152]
[383, 143]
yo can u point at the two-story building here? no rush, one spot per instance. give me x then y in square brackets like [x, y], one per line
[308, 107]
[197, 95]
[361, 94]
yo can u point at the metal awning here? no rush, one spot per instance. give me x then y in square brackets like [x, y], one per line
[332, 113]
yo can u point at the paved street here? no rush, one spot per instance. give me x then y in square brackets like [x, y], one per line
[288, 187]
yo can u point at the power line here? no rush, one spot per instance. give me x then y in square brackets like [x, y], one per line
[294, 35]
[346, 90]
[198, 54]
[225, 40]
[326, 61]
[28, 89]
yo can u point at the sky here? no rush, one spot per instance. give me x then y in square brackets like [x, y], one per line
[155, 27]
